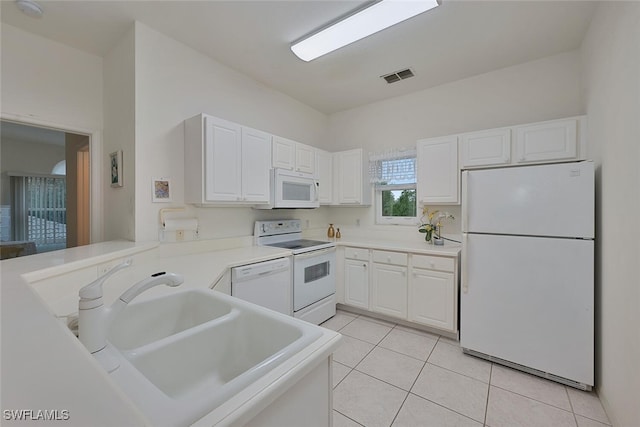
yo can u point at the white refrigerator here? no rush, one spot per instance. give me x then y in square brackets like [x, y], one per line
[527, 285]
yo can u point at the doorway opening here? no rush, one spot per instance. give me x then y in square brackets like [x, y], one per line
[45, 191]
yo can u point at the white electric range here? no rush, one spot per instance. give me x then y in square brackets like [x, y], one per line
[314, 281]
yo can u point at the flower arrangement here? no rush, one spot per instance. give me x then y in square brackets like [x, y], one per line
[432, 222]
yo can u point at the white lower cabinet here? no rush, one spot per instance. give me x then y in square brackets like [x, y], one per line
[356, 283]
[418, 288]
[432, 298]
[389, 289]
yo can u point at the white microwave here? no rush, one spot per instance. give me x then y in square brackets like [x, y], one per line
[292, 190]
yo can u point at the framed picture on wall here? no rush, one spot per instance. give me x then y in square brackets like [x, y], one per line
[161, 190]
[115, 163]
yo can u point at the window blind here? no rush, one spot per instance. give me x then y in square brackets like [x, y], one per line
[397, 169]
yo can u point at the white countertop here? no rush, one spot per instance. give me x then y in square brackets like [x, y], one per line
[400, 239]
[44, 366]
[424, 248]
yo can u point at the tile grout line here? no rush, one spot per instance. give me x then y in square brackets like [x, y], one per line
[445, 407]
[575, 418]
[486, 406]
[456, 372]
[348, 418]
[535, 400]
[400, 353]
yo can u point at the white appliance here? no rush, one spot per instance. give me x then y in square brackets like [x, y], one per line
[314, 282]
[527, 297]
[265, 283]
[292, 190]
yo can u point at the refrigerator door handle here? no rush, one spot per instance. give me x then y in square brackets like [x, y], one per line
[464, 259]
[465, 213]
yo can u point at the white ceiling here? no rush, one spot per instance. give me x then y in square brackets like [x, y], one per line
[459, 39]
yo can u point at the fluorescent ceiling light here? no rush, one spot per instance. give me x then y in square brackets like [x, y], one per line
[361, 24]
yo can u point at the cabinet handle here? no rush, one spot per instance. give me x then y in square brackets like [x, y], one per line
[465, 261]
[364, 265]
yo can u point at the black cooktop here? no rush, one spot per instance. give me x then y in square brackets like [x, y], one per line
[298, 244]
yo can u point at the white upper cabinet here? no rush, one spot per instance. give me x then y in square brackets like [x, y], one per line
[292, 155]
[324, 175]
[437, 171]
[225, 162]
[283, 153]
[351, 184]
[546, 141]
[256, 152]
[486, 148]
[542, 142]
[223, 157]
[305, 158]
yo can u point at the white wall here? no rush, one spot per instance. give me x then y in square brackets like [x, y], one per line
[173, 83]
[49, 81]
[119, 134]
[33, 157]
[50, 84]
[545, 89]
[611, 52]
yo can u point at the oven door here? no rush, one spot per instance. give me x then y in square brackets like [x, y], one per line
[294, 190]
[313, 277]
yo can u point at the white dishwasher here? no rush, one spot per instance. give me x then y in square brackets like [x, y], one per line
[265, 283]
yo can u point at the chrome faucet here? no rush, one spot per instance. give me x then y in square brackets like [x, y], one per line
[94, 318]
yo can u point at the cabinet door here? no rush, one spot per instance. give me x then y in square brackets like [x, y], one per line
[389, 290]
[305, 158]
[324, 175]
[283, 152]
[356, 283]
[555, 140]
[491, 147]
[222, 160]
[256, 164]
[432, 299]
[438, 170]
[349, 177]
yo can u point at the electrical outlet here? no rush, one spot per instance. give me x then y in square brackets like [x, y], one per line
[179, 235]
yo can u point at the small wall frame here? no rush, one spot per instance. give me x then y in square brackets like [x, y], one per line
[161, 190]
[115, 165]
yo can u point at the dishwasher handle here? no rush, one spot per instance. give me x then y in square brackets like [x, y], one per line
[263, 269]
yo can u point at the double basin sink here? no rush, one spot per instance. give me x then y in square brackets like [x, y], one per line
[184, 354]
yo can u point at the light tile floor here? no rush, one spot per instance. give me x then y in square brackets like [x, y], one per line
[390, 375]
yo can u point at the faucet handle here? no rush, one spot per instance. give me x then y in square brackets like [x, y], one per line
[161, 278]
[94, 289]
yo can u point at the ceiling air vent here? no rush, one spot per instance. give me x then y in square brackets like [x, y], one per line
[398, 75]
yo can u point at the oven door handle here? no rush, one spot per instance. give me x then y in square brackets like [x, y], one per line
[313, 254]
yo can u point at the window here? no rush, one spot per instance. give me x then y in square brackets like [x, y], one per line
[39, 211]
[395, 180]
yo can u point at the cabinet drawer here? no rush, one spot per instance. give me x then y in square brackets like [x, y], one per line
[356, 253]
[386, 257]
[433, 262]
